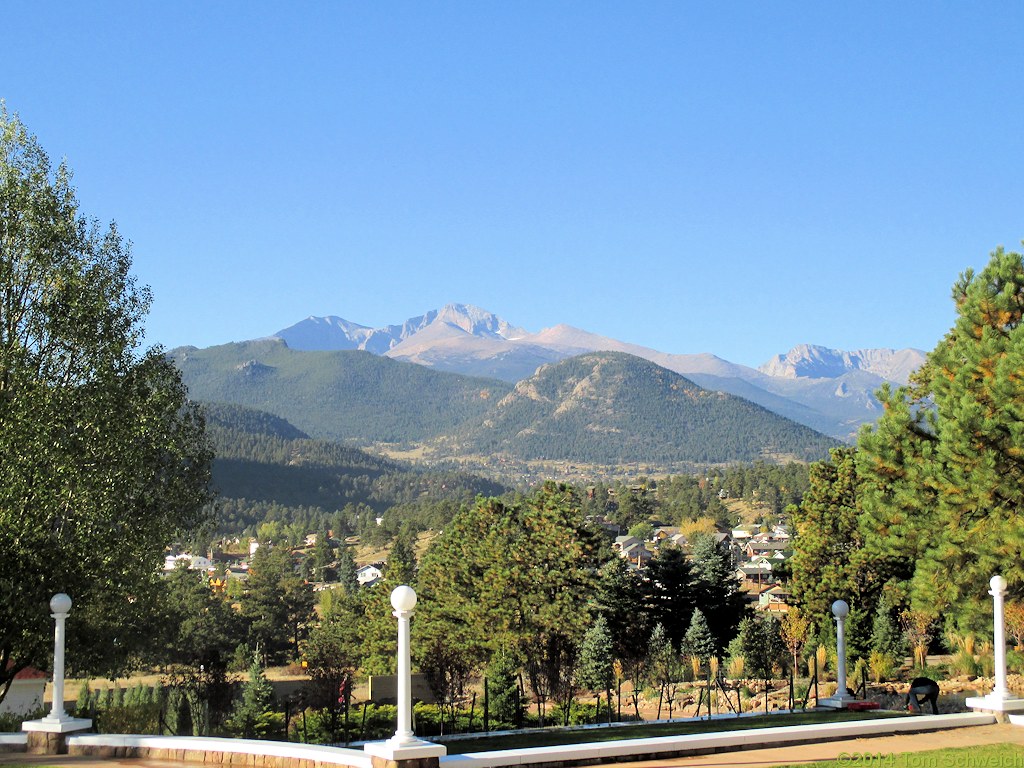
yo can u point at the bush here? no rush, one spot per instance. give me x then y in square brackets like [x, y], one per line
[987, 665]
[10, 722]
[137, 718]
[882, 666]
[579, 714]
[962, 663]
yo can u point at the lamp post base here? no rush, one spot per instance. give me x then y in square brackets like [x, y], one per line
[837, 701]
[410, 754]
[48, 736]
[999, 706]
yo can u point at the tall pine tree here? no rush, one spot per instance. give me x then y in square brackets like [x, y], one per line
[946, 461]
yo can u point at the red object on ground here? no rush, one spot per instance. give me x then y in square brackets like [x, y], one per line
[861, 706]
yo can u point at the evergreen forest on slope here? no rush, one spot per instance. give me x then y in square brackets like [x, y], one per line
[268, 471]
[344, 396]
[614, 408]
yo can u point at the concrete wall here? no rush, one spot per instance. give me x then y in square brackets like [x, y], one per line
[384, 689]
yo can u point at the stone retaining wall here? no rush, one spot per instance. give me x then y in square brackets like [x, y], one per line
[213, 751]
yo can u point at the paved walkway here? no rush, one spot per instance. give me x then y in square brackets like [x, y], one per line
[755, 758]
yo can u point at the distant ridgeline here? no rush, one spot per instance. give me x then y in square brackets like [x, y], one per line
[345, 396]
[267, 470]
[606, 408]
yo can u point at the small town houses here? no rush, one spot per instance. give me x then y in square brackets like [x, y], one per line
[222, 569]
[757, 556]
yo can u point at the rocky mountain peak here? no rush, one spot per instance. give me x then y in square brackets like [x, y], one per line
[816, 362]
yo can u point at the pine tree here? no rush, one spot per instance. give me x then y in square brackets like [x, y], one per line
[827, 537]
[946, 461]
[381, 638]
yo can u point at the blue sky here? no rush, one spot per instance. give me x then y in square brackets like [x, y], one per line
[733, 178]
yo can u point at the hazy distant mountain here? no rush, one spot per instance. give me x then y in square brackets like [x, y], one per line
[451, 321]
[614, 408]
[831, 391]
[812, 361]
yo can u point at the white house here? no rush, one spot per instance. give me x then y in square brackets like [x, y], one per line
[26, 694]
[195, 562]
[368, 574]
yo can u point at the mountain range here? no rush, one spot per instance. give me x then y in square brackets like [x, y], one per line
[602, 408]
[831, 391]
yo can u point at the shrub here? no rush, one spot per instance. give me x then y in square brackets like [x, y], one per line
[579, 714]
[135, 718]
[962, 663]
[10, 722]
[882, 665]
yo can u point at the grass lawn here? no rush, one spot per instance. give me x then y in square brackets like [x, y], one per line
[640, 731]
[991, 756]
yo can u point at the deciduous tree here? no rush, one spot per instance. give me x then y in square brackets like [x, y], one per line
[102, 455]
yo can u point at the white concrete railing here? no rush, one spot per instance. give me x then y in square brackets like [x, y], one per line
[192, 746]
[198, 748]
[669, 746]
[13, 741]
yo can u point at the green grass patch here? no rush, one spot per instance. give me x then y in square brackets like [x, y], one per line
[991, 756]
[557, 737]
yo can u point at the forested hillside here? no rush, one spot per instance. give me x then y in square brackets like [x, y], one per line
[267, 471]
[614, 408]
[348, 395]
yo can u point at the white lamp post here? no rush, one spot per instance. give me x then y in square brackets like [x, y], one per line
[60, 604]
[404, 745]
[998, 592]
[43, 736]
[1000, 700]
[403, 599]
[840, 609]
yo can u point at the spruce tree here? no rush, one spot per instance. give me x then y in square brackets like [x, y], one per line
[347, 570]
[597, 658]
[699, 640]
[716, 591]
[505, 702]
[249, 715]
